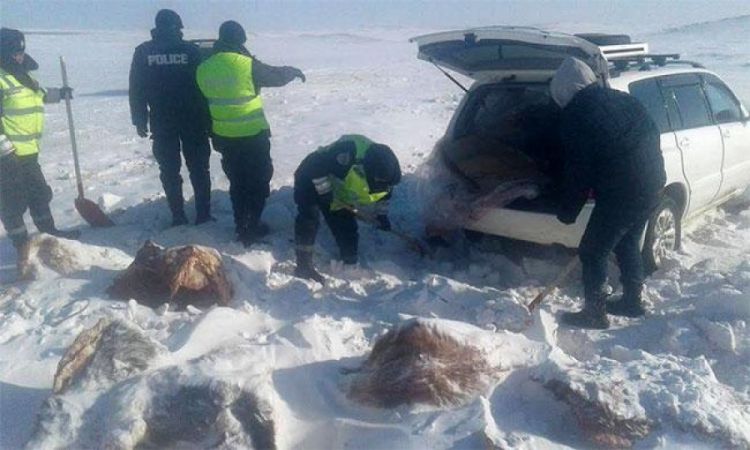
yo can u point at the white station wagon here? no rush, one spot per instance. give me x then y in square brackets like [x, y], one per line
[705, 134]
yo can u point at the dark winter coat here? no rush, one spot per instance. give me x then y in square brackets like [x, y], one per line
[336, 161]
[612, 147]
[163, 89]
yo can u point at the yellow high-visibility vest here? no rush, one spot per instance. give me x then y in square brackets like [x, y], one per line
[23, 114]
[353, 190]
[236, 109]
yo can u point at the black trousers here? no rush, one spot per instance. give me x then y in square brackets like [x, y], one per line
[22, 187]
[247, 163]
[342, 223]
[195, 148]
[609, 229]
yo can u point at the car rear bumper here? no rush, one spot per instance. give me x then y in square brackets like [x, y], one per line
[541, 228]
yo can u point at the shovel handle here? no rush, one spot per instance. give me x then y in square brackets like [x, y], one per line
[411, 241]
[561, 277]
[71, 128]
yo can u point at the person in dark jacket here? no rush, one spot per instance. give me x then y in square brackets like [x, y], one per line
[22, 183]
[231, 80]
[612, 149]
[336, 180]
[164, 94]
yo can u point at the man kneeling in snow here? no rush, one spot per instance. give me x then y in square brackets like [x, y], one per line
[337, 179]
[612, 147]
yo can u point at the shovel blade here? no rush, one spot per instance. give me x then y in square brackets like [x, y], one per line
[92, 214]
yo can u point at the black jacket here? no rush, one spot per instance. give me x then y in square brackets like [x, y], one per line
[612, 147]
[337, 160]
[163, 89]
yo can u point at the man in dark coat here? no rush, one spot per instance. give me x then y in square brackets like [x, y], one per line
[22, 183]
[163, 92]
[612, 149]
[335, 180]
[231, 80]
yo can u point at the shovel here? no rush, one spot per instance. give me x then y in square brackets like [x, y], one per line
[411, 241]
[561, 277]
[89, 210]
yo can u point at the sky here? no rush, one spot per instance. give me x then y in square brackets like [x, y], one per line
[281, 15]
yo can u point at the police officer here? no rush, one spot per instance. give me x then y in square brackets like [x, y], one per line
[22, 183]
[231, 80]
[163, 92]
[612, 148]
[336, 180]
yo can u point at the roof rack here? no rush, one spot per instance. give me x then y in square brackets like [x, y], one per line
[612, 52]
[645, 61]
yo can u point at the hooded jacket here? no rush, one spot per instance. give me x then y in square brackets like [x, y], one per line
[163, 90]
[611, 146]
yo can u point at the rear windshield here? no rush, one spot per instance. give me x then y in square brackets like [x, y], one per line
[522, 117]
[509, 113]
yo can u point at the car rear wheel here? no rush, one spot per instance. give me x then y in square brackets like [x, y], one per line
[663, 233]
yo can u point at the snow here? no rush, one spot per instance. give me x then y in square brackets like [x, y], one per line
[686, 366]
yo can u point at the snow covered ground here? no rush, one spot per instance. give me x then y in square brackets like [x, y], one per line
[686, 367]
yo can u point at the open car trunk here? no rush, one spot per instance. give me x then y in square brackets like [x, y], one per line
[508, 135]
[508, 52]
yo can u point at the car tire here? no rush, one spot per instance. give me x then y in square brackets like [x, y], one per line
[663, 234]
[606, 39]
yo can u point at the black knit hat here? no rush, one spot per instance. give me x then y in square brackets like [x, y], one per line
[232, 32]
[166, 18]
[11, 41]
[381, 167]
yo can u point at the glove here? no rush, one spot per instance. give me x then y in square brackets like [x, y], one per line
[66, 93]
[298, 74]
[6, 146]
[142, 130]
[384, 223]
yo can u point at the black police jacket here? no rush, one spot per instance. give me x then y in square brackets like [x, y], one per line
[612, 148]
[163, 89]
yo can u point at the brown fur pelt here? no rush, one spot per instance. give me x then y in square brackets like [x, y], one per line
[603, 426]
[188, 275]
[416, 363]
[106, 353]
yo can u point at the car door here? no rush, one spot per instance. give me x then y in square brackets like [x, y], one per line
[731, 119]
[648, 92]
[698, 138]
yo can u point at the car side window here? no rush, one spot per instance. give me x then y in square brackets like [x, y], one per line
[649, 94]
[724, 105]
[691, 105]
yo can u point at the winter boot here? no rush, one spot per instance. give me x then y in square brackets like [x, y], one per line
[23, 265]
[48, 226]
[305, 268]
[201, 218]
[252, 234]
[630, 304]
[179, 218]
[65, 234]
[593, 315]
